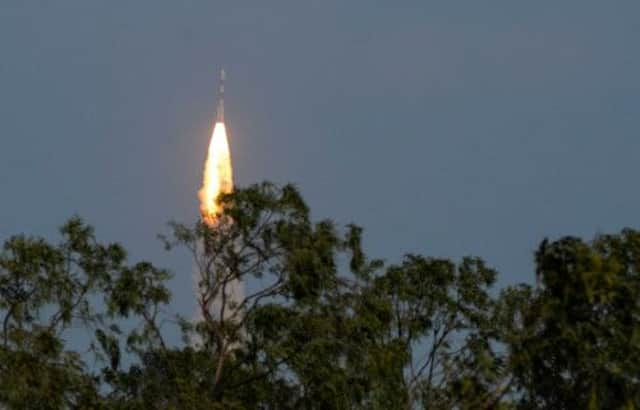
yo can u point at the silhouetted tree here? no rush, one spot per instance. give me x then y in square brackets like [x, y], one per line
[319, 326]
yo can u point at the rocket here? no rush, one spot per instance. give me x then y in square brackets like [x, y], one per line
[220, 109]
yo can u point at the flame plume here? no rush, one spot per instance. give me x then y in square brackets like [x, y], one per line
[218, 175]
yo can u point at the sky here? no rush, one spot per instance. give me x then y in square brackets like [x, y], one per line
[443, 128]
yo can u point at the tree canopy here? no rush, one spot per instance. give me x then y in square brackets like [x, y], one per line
[319, 325]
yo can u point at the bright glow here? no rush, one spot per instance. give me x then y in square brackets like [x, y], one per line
[218, 175]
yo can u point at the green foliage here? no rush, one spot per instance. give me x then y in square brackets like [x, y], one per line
[319, 324]
[580, 344]
[45, 290]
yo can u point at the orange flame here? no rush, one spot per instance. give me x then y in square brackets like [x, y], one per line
[218, 175]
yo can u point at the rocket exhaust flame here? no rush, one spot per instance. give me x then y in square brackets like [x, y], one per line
[218, 175]
[217, 179]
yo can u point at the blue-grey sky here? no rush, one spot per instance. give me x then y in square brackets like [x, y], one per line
[445, 128]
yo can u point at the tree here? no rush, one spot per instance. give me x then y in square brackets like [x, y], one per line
[579, 341]
[282, 342]
[440, 332]
[45, 290]
[318, 332]
[319, 326]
